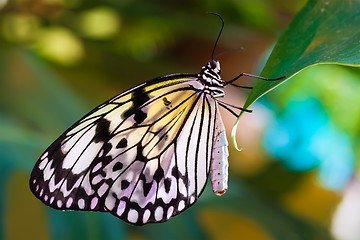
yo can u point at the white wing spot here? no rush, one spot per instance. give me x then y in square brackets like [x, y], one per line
[159, 213]
[59, 203]
[81, 203]
[121, 208]
[69, 202]
[96, 180]
[94, 202]
[37, 188]
[146, 215]
[133, 216]
[102, 189]
[52, 199]
[192, 199]
[110, 202]
[97, 167]
[181, 205]
[46, 198]
[170, 212]
[41, 192]
[44, 155]
[34, 181]
[101, 153]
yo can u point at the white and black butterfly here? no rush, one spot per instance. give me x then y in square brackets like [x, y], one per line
[144, 155]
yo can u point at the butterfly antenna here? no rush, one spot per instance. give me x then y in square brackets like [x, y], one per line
[229, 51]
[217, 39]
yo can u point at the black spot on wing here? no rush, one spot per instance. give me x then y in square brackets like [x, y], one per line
[159, 174]
[139, 116]
[175, 172]
[117, 166]
[139, 97]
[124, 184]
[167, 185]
[107, 148]
[167, 103]
[102, 173]
[147, 188]
[122, 143]
[102, 132]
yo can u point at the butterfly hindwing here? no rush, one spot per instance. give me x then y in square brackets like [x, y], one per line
[163, 169]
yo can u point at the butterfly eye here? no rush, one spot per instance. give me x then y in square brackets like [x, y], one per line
[212, 64]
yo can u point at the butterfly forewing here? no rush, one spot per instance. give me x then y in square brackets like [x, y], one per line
[60, 177]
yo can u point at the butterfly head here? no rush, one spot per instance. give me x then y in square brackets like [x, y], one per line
[210, 74]
[214, 66]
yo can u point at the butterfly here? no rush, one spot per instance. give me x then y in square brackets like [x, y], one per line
[146, 154]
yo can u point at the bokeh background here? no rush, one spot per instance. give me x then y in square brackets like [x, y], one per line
[296, 175]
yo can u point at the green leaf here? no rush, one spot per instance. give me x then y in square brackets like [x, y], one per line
[323, 32]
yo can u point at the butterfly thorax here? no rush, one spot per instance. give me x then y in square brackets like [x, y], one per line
[210, 78]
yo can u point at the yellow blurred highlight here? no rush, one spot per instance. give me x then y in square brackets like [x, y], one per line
[20, 28]
[2, 3]
[311, 201]
[136, 236]
[60, 45]
[229, 226]
[23, 208]
[100, 23]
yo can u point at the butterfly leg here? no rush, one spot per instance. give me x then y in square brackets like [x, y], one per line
[227, 105]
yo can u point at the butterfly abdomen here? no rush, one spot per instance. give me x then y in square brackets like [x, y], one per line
[219, 164]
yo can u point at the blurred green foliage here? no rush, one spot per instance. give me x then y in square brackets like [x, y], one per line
[60, 58]
[324, 32]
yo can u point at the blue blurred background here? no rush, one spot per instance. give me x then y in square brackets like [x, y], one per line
[296, 175]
